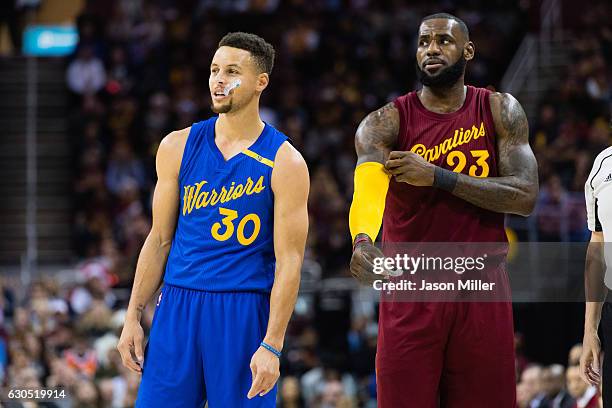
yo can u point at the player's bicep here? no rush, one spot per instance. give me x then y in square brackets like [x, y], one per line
[377, 134]
[515, 155]
[166, 199]
[290, 183]
[165, 210]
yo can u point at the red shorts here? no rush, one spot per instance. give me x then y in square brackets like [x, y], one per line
[447, 355]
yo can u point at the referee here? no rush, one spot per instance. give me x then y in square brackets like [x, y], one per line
[597, 280]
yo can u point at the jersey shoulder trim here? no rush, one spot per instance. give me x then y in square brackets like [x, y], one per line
[258, 157]
[265, 152]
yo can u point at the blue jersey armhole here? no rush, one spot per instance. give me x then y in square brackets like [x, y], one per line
[192, 138]
[268, 143]
[278, 141]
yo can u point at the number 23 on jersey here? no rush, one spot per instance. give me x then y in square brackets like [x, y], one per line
[458, 160]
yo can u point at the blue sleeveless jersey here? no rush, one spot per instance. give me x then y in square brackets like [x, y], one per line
[224, 233]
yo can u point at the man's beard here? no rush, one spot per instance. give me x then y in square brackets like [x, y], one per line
[221, 109]
[446, 78]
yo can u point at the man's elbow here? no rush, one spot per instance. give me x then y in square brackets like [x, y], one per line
[527, 203]
[161, 242]
[165, 244]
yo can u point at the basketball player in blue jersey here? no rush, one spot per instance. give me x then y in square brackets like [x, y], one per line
[228, 237]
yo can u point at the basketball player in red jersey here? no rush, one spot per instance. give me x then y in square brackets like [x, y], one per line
[428, 183]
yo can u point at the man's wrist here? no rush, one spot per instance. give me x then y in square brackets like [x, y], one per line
[431, 176]
[274, 342]
[133, 315]
[445, 179]
[361, 239]
[271, 349]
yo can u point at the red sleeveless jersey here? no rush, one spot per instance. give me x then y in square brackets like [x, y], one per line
[463, 141]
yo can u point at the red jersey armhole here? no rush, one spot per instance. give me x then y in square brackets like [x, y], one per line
[490, 124]
[401, 103]
[489, 115]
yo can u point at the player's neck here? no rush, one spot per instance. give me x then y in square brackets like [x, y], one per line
[243, 124]
[443, 100]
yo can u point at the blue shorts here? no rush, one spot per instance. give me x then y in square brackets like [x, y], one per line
[200, 348]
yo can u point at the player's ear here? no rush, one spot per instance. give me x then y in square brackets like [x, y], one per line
[468, 51]
[262, 82]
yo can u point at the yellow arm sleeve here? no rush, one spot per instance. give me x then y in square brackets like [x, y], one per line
[368, 206]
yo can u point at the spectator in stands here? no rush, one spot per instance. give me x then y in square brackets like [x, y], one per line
[573, 358]
[553, 383]
[86, 394]
[522, 395]
[586, 396]
[86, 74]
[334, 396]
[532, 388]
[290, 395]
[521, 360]
[124, 168]
[82, 358]
[61, 374]
[552, 210]
[120, 78]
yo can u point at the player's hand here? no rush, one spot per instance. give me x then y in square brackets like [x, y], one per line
[590, 360]
[362, 263]
[130, 345]
[409, 167]
[265, 368]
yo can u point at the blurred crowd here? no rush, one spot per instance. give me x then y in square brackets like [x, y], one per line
[65, 336]
[556, 386]
[141, 70]
[572, 126]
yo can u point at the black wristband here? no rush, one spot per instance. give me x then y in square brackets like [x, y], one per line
[445, 179]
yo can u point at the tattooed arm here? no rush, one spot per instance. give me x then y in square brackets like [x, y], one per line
[516, 190]
[377, 134]
[375, 137]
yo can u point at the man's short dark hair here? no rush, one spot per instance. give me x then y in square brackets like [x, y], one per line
[260, 49]
[447, 16]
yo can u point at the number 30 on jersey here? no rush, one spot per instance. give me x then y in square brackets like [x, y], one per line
[224, 230]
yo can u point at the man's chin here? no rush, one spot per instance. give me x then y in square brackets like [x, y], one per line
[221, 108]
[438, 80]
[433, 74]
[445, 77]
